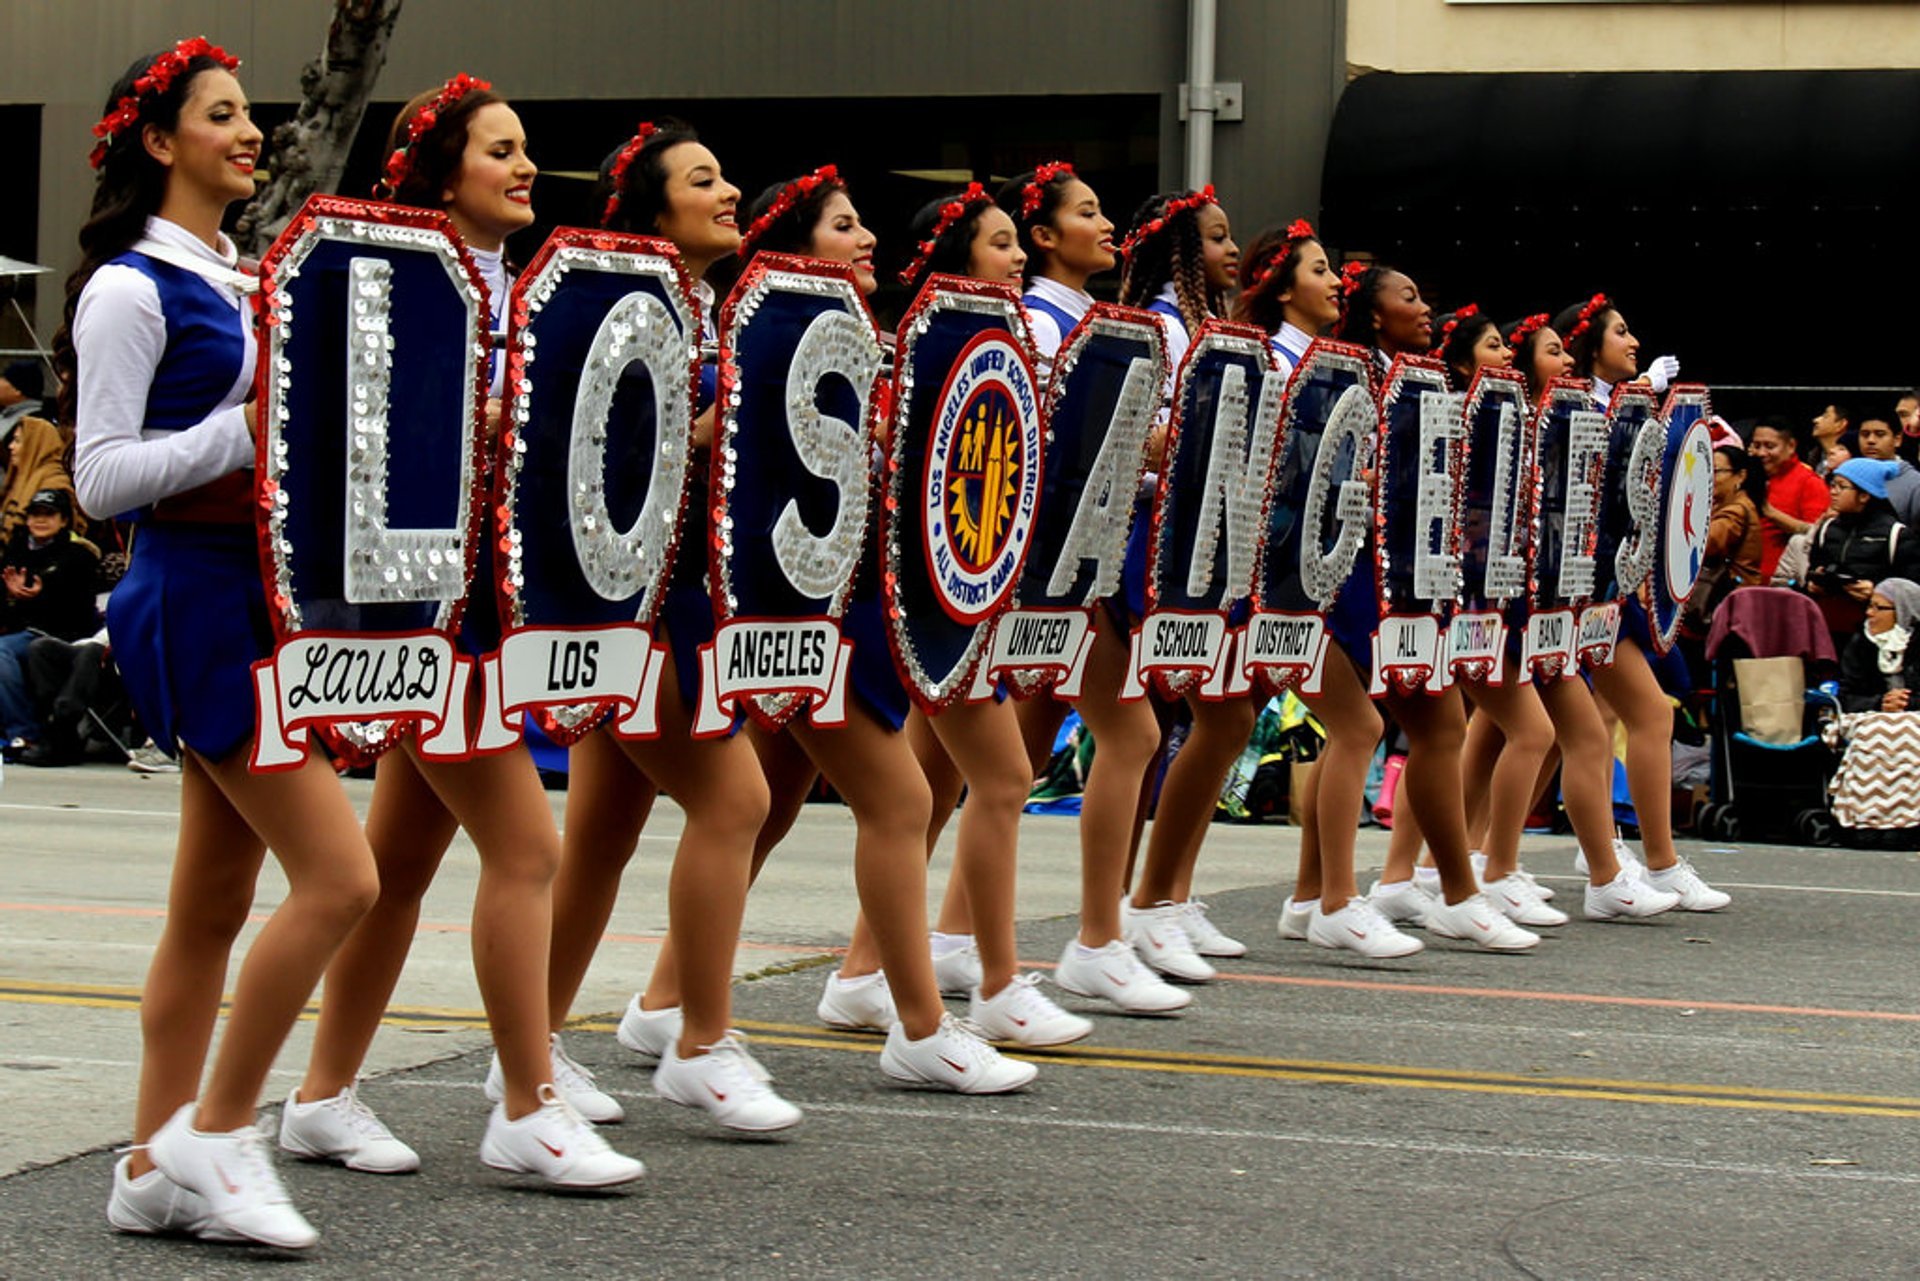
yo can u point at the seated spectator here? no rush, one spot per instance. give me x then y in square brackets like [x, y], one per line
[40, 451]
[1881, 443]
[1832, 439]
[1856, 546]
[1796, 497]
[21, 388]
[48, 577]
[1881, 666]
[1907, 411]
[1734, 542]
[64, 680]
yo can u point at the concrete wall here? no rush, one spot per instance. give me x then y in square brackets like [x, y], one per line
[1433, 35]
[65, 53]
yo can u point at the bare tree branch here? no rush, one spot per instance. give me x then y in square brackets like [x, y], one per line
[310, 151]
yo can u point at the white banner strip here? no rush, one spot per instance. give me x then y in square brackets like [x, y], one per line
[1286, 649]
[318, 679]
[1477, 645]
[749, 657]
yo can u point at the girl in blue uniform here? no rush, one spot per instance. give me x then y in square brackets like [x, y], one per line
[157, 357]
[1067, 241]
[1181, 262]
[1385, 314]
[460, 148]
[1289, 288]
[664, 182]
[1605, 350]
[867, 759]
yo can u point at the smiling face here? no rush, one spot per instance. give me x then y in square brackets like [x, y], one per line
[491, 195]
[1312, 302]
[1401, 316]
[840, 236]
[1079, 240]
[44, 522]
[1774, 448]
[1618, 358]
[1551, 359]
[213, 148]
[702, 207]
[994, 253]
[1726, 479]
[1219, 255]
[1880, 614]
[1490, 351]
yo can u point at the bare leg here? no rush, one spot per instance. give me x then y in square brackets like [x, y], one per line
[1436, 725]
[1588, 795]
[1630, 687]
[1478, 760]
[1330, 814]
[1189, 796]
[983, 739]
[608, 801]
[1523, 721]
[946, 784]
[1125, 737]
[1403, 842]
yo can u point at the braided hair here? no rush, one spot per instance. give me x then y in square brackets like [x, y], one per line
[1172, 253]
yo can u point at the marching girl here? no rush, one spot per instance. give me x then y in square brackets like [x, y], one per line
[1604, 349]
[664, 182]
[867, 759]
[1067, 241]
[1181, 262]
[1384, 313]
[976, 746]
[1290, 289]
[1496, 802]
[157, 361]
[459, 148]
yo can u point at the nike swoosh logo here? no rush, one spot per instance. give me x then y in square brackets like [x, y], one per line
[1483, 926]
[233, 1189]
[557, 1152]
[1359, 934]
[1016, 1022]
[716, 1094]
[958, 1067]
[1626, 902]
[1109, 977]
[1156, 944]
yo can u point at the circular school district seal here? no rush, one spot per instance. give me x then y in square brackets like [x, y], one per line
[981, 486]
[1689, 510]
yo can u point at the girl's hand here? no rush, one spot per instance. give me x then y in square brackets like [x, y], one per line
[251, 412]
[1895, 700]
[703, 429]
[496, 417]
[1860, 589]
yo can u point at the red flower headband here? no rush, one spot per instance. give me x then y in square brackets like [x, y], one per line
[1298, 232]
[950, 213]
[1034, 192]
[1527, 328]
[400, 163]
[618, 174]
[1350, 277]
[1467, 312]
[790, 195]
[1595, 305]
[1154, 226]
[155, 80]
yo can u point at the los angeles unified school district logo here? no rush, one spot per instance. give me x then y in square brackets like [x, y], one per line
[982, 481]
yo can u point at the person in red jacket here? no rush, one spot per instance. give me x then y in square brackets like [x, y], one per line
[1796, 496]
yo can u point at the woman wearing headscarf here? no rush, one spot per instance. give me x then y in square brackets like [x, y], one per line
[1880, 667]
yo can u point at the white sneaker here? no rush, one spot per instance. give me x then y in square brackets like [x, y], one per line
[1481, 923]
[1400, 901]
[1695, 894]
[957, 971]
[648, 1033]
[555, 1143]
[1294, 920]
[1626, 895]
[233, 1172]
[1480, 874]
[1518, 899]
[1158, 936]
[1359, 927]
[728, 1084]
[955, 1057]
[1206, 937]
[575, 1083]
[153, 1204]
[1115, 973]
[1621, 851]
[1020, 1012]
[343, 1129]
[864, 1004]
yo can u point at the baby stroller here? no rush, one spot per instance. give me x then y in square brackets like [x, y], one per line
[1770, 780]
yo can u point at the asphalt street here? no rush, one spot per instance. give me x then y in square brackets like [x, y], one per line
[1725, 1096]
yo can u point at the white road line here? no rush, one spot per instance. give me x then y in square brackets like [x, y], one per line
[1304, 1138]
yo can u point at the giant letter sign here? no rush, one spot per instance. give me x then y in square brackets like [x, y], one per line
[963, 482]
[602, 359]
[1319, 515]
[1422, 469]
[791, 485]
[1685, 509]
[1101, 400]
[1496, 525]
[1209, 513]
[371, 384]
[1630, 494]
[1568, 465]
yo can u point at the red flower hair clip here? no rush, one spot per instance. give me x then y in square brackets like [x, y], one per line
[1350, 277]
[1467, 312]
[400, 163]
[1527, 328]
[1043, 177]
[1154, 226]
[1595, 305]
[950, 213]
[617, 176]
[790, 195]
[1298, 232]
[154, 81]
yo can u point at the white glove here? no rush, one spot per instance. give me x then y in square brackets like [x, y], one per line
[1662, 372]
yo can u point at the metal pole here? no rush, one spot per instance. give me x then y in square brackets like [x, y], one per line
[1201, 100]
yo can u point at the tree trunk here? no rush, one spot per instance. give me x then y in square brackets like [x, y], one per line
[310, 150]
